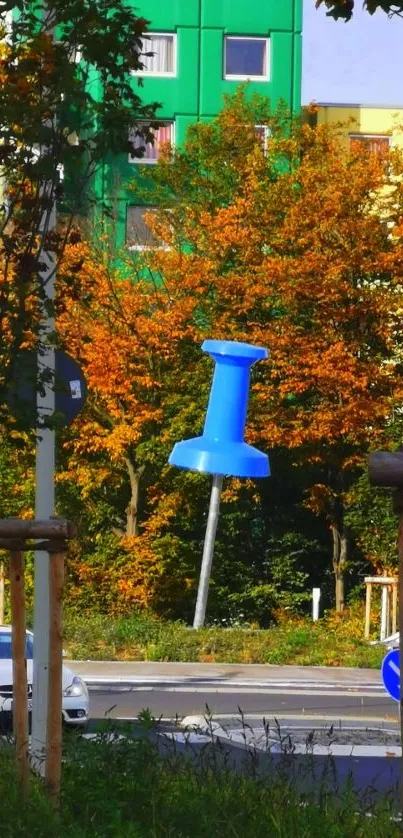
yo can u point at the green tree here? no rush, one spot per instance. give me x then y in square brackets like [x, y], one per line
[370, 511]
[372, 522]
[67, 99]
[344, 9]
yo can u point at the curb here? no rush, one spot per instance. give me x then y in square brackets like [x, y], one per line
[211, 681]
[197, 729]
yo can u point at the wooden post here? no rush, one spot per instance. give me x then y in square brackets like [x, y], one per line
[399, 501]
[394, 608]
[367, 610]
[19, 651]
[1, 593]
[15, 536]
[385, 468]
[384, 612]
[54, 720]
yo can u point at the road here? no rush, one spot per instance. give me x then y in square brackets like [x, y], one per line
[169, 699]
[363, 747]
[346, 712]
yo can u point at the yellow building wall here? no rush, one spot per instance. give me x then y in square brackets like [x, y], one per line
[367, 120]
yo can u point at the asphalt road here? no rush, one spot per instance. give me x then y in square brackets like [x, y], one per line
[126, 701]
[304, 708]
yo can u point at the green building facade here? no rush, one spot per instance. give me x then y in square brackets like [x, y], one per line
[200, 50]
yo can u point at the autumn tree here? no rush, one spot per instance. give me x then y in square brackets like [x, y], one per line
[141, 522]
[67, 99]
[306, 258]
[131, 338]
[270, 236]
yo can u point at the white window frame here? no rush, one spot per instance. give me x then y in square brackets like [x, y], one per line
[240, 77]
[170, 75]
[142, 161]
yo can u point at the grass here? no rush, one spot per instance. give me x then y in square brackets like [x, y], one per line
[332, 641]
[124, 789]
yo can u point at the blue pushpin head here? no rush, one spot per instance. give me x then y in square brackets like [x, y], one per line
[221, 449]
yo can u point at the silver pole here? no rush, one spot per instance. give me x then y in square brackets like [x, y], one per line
[315, 604]
[44, 509]
[208, 551]
[44, 474]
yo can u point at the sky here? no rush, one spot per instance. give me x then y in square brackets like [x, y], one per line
[360, 62]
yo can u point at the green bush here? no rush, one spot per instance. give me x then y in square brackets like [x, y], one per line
[333, 641]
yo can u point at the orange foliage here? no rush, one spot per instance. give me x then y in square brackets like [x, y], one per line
[297, 261]
[314, 275]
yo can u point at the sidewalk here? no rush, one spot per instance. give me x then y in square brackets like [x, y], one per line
[149, 671]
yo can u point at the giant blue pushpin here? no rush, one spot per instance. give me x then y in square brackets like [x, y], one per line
[221, 449]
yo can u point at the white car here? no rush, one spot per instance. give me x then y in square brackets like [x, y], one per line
[75, 702]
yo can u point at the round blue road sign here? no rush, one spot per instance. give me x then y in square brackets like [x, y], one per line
[69, 386]
[390, 672]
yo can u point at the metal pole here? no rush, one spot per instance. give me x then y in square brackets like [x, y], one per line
[208, 551]
[45, 471]
[315, 604]
[54, 720]
[19, 652]
[44, 509]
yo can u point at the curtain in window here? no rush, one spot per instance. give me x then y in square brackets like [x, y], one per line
[163, 59]
[162, 135]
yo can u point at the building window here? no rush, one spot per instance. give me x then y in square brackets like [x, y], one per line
[158, 55]
[138, 234]
[246, 58]
[164, 135]
[375, 143]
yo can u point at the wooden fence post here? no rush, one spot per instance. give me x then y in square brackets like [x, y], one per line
[19, 652]
[394, 607]
[367, 630]
[2, 598]
[54, 720]
[17, 536]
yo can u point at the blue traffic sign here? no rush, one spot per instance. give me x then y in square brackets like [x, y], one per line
[390, 672]
[69, 386]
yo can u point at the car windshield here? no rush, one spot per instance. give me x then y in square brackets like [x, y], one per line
[5, 646]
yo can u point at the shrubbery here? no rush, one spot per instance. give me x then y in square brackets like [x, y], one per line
[333, 641]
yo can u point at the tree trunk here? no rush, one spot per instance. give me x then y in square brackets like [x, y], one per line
[340, 556]
[339, 590]
[132, 507]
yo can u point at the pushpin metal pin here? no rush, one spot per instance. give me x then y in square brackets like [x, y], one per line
[221, 449]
